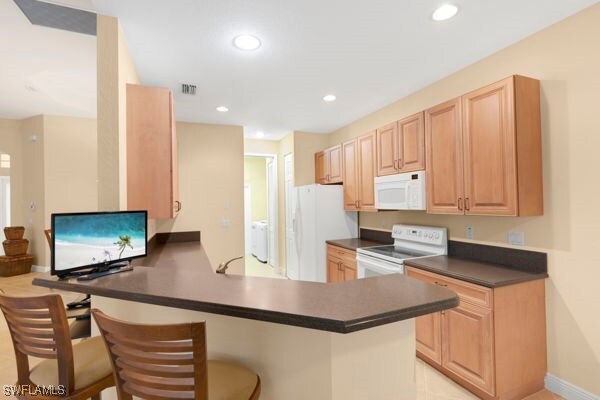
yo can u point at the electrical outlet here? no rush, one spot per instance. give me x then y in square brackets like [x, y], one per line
[516, 238]
[470, 232]
[225, 223]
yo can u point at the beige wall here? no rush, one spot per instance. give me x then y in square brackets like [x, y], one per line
[257, 146]
[255, 174]
[115, 70]
[33, 186]
[11, 143]
[566, 59]
[211, 180]
[70, 166]
[57, 172]
[305, 146]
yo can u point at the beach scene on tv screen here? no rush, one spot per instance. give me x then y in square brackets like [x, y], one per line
[81, 240]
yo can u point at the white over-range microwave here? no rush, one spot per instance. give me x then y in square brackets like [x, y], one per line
[404, 191]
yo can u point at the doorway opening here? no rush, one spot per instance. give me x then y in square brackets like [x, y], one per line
[260, 215]
[4, 193]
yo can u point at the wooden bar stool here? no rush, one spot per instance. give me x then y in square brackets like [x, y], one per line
[39, 328]
[169, 362]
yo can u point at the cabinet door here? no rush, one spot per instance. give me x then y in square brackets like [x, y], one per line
[411, 143]
[350, 174]
[429, 336]
[151, 136]
[320, 167]
[468, 344]
[333, 269]
[489, 150]
[387, 153]
[367, 167]
[335, 164]
[349, 272]
[443, 149]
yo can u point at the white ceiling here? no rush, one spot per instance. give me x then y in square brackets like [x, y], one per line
[367, 52]
[45, 70]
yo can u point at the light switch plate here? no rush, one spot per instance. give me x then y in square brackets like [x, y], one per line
[470, 232]
[516, 238]
[225, 223]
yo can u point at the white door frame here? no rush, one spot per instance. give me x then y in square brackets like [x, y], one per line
[247, 218]
[272, 220]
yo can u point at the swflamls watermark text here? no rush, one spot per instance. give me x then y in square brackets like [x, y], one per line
[30, 390]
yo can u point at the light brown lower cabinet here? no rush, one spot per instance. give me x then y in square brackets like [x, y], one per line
[493, 343]
[341, 264]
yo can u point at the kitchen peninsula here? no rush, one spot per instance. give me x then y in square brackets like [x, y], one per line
[349, 340]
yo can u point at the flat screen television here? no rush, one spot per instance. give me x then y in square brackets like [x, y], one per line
[97, 240]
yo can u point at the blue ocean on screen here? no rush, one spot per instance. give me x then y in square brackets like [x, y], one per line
[88, 239]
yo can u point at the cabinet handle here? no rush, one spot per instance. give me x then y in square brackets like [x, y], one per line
[467, 204]
[441, 284]
[339, 266]
[178, 203]
[356, 204]
[443, 312]
[460, 204]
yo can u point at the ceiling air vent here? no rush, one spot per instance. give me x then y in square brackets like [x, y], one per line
[186, 88]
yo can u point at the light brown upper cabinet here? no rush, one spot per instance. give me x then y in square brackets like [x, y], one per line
[152, 163]
[484, 151]
[401, 146]
[359, 168]
[328, 165]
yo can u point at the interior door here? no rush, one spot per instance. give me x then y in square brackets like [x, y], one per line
[444, 158]
[366, 171]
[387, 150]
[350, 175]
[272, 211]
[291, 258]
[411, 143]
[248, 218]
[489, 150]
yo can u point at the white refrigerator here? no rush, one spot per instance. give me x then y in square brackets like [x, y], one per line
[318, 216]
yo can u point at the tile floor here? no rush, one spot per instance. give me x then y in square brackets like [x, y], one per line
[431, 385]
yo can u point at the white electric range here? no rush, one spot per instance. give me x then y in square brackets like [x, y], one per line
[409, 242]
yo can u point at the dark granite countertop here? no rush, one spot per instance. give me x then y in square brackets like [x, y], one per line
[477, 272]
[182, 277]
[353, 244]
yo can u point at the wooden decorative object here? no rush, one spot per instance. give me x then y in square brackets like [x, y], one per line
[15, 247]
[15, 265]
[14, 232]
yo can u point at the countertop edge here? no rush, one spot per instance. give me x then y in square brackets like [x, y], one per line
[302, 321]
[466, 278]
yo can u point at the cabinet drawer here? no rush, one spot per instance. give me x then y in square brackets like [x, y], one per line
[347, 256]
[468, 292]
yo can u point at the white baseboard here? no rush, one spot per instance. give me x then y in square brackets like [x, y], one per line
[40, 268]
[567, 390]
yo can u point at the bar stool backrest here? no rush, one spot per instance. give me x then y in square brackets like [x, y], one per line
[156, 361]
[39, 328]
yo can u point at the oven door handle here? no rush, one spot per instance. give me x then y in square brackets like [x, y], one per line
[379, 266]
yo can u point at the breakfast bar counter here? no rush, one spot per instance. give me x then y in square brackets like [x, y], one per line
[349, 340]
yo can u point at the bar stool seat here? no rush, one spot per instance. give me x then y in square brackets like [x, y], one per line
[229, 381]
[91, 363]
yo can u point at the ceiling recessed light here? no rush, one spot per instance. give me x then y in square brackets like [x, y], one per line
[222, 109]
[246, 42]
[260, 135]
[444, 12]
[329, 98]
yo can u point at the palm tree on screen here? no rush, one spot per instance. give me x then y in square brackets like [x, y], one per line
[123, 243]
